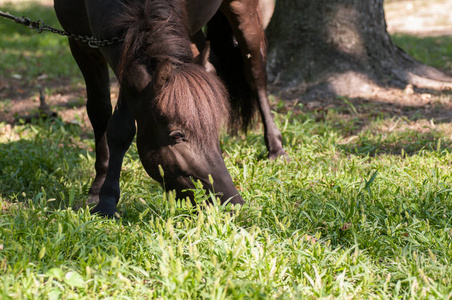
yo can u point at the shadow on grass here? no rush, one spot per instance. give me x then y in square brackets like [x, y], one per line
[372, 126]
[48, 161]
[353, 117]
[407, 143]
[31, 10]
[27, 55]
[433, 51]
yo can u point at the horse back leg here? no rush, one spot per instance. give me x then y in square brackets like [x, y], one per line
[244, 18]
[94, 69]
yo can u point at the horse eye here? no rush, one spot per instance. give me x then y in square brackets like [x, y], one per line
[177, 136]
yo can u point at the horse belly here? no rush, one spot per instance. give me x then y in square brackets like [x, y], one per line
[200, 12]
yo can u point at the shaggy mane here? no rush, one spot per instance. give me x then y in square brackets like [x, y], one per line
[158, 30]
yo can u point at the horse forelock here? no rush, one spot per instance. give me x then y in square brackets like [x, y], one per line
[155, 29]
[196, 101]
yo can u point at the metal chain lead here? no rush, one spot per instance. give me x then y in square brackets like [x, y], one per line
[93, 42]
[39, 26]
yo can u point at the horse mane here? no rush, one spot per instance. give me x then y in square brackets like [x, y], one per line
[157, 33]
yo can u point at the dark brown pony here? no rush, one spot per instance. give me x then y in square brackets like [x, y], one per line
[173, 97]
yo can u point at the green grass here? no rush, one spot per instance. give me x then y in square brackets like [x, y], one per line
[433, 51]
[364, 218]
[29, 54]
[332, 222]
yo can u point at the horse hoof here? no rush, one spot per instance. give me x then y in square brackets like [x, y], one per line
[92, 199]
[274, 155]
[105, 212]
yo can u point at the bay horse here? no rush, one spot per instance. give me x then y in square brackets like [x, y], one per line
[171, 99]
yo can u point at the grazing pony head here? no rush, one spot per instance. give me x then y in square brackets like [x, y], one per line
[179, 106]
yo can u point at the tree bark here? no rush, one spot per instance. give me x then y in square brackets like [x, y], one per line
[341, 46]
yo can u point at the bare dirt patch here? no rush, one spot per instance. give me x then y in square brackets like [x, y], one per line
[65, 98]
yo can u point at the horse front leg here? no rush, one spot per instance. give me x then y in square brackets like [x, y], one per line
[94, 69]
[120, 133]
[244, 18]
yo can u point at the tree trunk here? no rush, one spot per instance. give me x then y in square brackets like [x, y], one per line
[340, 46]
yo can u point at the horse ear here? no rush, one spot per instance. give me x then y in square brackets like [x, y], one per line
[163, 73]
[202, 59]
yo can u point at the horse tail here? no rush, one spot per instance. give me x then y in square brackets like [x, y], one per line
[227, 59]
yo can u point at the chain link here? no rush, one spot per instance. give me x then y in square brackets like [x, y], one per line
[90, 40]
[39, 26]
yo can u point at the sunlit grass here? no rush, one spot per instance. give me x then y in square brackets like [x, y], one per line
[432, 51]
[362, 216]
[331, 222]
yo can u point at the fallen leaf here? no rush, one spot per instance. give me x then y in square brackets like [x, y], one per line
[310, 238]
[74, 279]
[346, 226]
[426, 97]
[42, 77]
[408, 90]
[314, 105]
